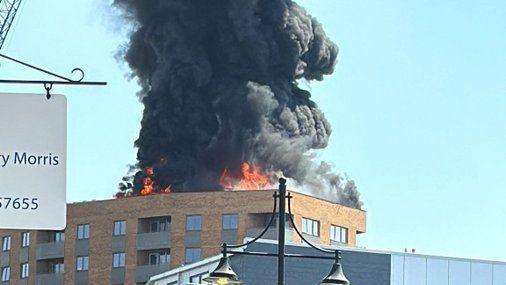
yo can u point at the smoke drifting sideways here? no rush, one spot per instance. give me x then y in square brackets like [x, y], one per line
[219, 87]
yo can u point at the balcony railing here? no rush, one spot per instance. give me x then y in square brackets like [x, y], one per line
[50, 250]
[49, 278]
[147, 241]
[144, 272]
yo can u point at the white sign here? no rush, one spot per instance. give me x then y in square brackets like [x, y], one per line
[33, 154]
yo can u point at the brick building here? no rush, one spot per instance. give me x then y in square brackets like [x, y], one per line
[127, 241]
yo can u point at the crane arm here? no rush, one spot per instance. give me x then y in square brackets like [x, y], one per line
[8, 10]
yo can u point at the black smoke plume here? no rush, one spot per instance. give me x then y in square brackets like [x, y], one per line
[219, 87]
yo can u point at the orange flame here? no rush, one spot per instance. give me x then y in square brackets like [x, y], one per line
[253, 178]
[149, 186]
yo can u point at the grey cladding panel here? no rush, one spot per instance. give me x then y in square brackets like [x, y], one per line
[192, 239]
[81, 278]
[82, 247]
[229, 236]
[118, 276]
[23, 255]
[118, 244]
[360, 267]
[5, 258]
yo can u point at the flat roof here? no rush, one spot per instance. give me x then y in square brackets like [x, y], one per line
[210, 193]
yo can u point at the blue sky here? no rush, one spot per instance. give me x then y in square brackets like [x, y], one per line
[417, 104]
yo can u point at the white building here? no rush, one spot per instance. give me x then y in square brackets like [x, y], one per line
[362, 267]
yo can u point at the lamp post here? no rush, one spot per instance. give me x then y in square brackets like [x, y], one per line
[224, 274]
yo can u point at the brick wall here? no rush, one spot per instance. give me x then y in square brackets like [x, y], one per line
[210, 205]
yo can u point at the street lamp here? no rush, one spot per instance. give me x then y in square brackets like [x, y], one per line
[336, 275]
[225, 275]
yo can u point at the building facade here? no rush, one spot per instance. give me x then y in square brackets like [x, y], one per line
[361, 267]
[127, 241]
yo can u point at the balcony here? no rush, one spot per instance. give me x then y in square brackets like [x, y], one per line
[272, 233]
[261, 220]
[153, 233]
[52, 250]
[148, 241]
[49, 278]
[144, 272]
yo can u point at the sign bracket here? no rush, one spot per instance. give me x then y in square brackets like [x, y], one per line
[48, 84]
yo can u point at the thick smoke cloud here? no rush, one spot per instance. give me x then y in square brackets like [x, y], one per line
[219, 86]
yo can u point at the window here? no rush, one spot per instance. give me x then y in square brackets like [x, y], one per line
[118, 260]
[344, 235]
[25, 270]
[165, 258]
[6, 244]
[25, 237]
[338, 234]
[159, 225]
[230, 222]
[119, 228]
[157, 258]
[310, 227]
[83, 231]
[59, 236]
[192, 255]
[199, 278]
[6, 274]
[82, 263]
[193, 223]
[58, 268]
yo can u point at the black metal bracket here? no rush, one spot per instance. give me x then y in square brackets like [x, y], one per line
[225, 247]
[48, 84]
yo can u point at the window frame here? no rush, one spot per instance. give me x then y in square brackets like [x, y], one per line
[160, 256]
[310, 227]
[191, 223]
[156, 255]
[6, 243]
[121, 231]
[59, 236]
[85, 263]
[58, 268]
[25, 239]
[230, 221]
[345, 236]
[162, 225]
[25, 270]
[6, 274]
[85, 233]
[193, 251]
[336, 234]
[118, 260]
[165, 257]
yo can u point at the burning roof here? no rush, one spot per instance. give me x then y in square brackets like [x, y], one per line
[222, 105]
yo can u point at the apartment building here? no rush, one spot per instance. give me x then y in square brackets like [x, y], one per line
[127, 241]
